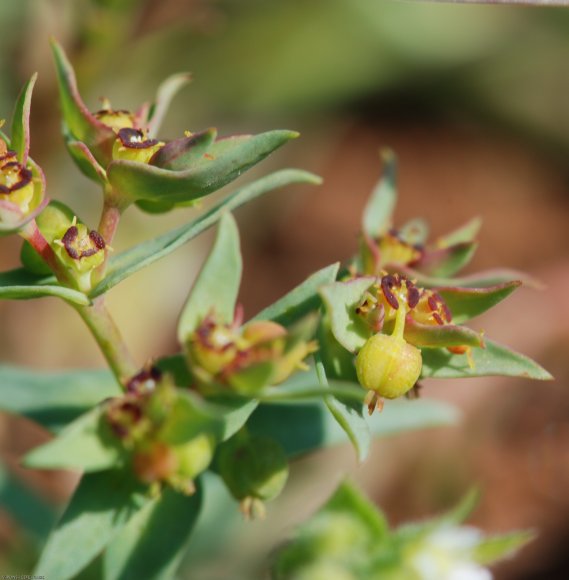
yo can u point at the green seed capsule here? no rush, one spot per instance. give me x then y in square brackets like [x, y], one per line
[388, 365]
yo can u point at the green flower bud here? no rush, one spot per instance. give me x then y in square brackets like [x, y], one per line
[388, 365]
[191, 459]
[81, 250]
[253, 468]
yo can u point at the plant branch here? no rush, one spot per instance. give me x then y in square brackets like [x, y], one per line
[109, 339]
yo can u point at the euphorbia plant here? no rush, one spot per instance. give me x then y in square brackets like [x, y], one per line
[232, 403]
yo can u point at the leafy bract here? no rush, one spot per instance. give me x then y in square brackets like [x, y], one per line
[494, 359]
[377, 217]
[54, 399]
[143, 549]
[87, 444]
[101, 506]
[446, 262]
[341, 299]
[166, 92]
[217, 285]
[300, 300]
[150, 251]
[464, 234]
[227, 159]
[348, 413]
[467, 303]
[494, 548]
[20, 284]
[21, 122]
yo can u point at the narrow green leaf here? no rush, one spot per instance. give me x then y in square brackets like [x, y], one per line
[88, 444]
[54, 399]
[464, 234]
[27, 508]
[377, 216]
[138, 181]
[20, 284]
[150, 251]
[348, 413]
[479, 280]
[341, 300]
[217, 286]
[467, 303]
[300, 300]
[462, 511]
[152, 544]
[100, 507]
[314, 427]
[79, 121]
[493, 360]
[21, 121]
[494, 548]
[166, 92]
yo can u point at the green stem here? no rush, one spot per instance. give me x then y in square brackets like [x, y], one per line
[109, 339]
[108, 225]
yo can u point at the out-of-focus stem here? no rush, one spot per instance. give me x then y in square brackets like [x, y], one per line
[109, 339]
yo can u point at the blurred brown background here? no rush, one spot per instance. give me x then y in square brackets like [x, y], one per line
[473, 99]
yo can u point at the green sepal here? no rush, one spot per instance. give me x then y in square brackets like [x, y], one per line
[21, 122]
[101, 506]
[493, 360]
[87, 444]
[150, 251]
[231, 157]
[217, 285]
[137, 551]
[378, 213]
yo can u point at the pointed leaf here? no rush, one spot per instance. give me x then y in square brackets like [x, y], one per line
[217, 285]
[20, 284]
[150, 251]
[101, 506]
[478, 280]
[495, 359]
[88, 444]
[230, 158]
[494, 548]
[183, 153]
[82, 125]
[152, 544]
[462, 511]
[446, 262]
[428, 335]
[54, 399]
[21, 122]
[464, 234]
[341, 300]
[347, 413]
[467, 303]
[301, 300]
[166, 92]
[377, 217]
